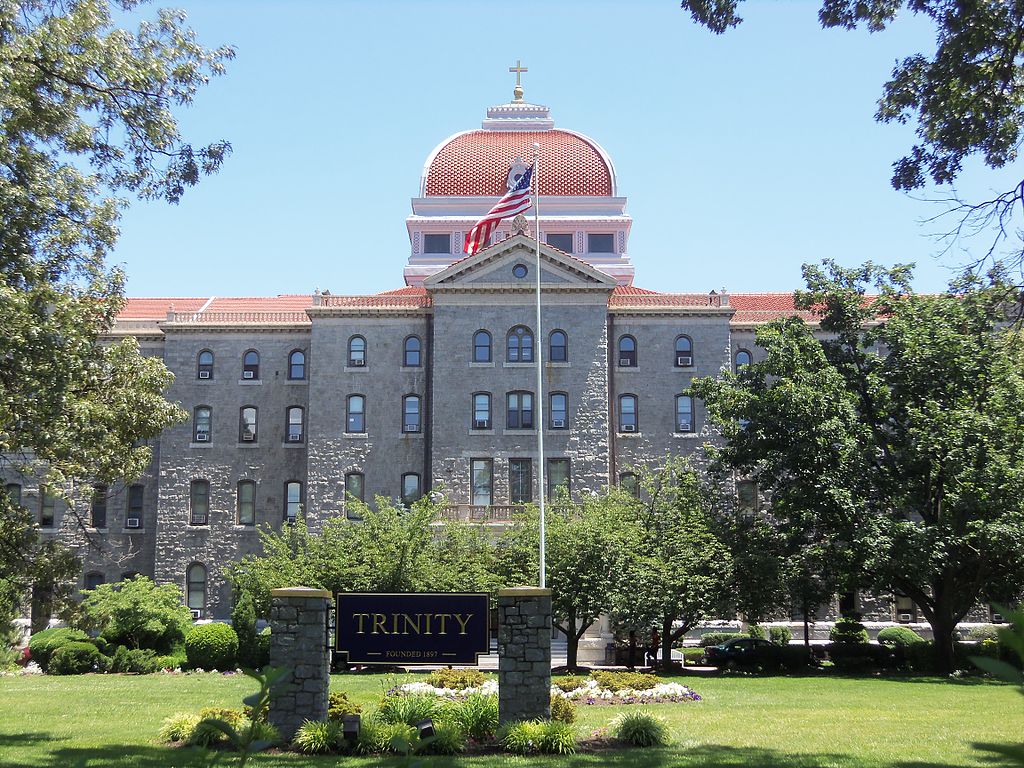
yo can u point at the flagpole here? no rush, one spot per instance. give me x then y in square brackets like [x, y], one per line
[539, 352]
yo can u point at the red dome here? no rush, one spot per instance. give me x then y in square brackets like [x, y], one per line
[476, 163]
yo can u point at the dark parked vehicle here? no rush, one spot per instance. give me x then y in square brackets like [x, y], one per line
[742, 652]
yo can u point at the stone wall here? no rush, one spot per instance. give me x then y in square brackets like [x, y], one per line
[524, 654]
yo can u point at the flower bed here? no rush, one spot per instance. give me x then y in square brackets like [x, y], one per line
[589, 692]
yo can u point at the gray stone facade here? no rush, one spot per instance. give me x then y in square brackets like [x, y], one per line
[524, 654]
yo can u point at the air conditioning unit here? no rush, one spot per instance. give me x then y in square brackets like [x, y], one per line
[684, 361]
[197, 613]
[204, 374]
[357, 363]
[558, 423]
[133, 522]
[906, 617]
[295, 438]
[997, 618]
[202, 437]
[481, 424]
[410, 428]
[625, 362]
[629, 427]
[248, 436]
[248, 374]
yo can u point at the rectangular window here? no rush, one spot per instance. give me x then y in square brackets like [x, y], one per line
[481, 411]
[520, 481]
[520, 411]
[600, 243]
[482, 478]
[199, 503]
[410, 488]
[562, 241]
[746, 495]
[99, 506]
[411, 414]
[247, 503]
[292, 501]
[437, 243]
[135, 497]
[354, 488]
[47, 508]
[14, 493]
[559, 411]
[558, 476]
[295, 425]
[906, 609]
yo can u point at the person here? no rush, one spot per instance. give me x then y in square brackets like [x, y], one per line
[655, 646]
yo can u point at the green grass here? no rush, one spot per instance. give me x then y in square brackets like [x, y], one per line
[805, 722]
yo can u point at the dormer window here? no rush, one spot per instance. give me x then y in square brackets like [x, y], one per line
[437, 243]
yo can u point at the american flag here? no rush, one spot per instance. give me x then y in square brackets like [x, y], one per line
[516, 201]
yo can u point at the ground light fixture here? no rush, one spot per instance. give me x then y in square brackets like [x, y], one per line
[425, 728]
[350, 725]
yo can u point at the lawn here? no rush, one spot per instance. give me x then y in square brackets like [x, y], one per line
[112, 720]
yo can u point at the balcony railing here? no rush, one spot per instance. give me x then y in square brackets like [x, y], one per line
[475, 513]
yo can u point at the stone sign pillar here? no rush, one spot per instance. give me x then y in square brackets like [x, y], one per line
[298, 643]
[524, 654]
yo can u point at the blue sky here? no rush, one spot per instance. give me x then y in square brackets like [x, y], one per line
[742, 156]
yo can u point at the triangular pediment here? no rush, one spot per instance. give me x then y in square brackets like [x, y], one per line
[495, 268]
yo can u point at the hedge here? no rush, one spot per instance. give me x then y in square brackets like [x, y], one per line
[212, 646]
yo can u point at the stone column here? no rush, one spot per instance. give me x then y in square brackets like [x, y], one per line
[524, 654]
[298, 643]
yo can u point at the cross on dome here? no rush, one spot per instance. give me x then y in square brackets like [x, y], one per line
[518, 91]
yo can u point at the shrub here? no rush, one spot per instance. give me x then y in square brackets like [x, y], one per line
[780, 635]
[232, 717]
[137, 613]
[205, 734]
[717, 638]
[178, 727]
[984, 632]
[43, 644]
[920, 657]
[693, 656]
[387, 737]
[616, 681]
[899, 637]
[456, 679]
[531, 737]
[263, 648]
[641, 729]
[848, 630]
[408, 710]
[74, 658]
[757, 631]
[264, 731]
[858, 657]
[563, 710]
[140, 661]
[317, 738]
[338, 706]
[243, 621]
[212, 646]
[170, 662]
[568, 683]
[476, 715]
[448, 739]
[793, 658]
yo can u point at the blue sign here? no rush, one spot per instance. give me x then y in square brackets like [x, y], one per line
[412, 627]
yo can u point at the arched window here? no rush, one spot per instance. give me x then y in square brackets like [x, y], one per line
[251, 365]
[297, 364]
[199, 502]
[204, 365]
[411, 491]
[519, 413]
[559, 410]
[481, 347]
[357, 352]
[295, 418]
[246, 502]
[684, 413]
[628, 483]
[520, 345]
[482, 410]
[247, 424]
[99, 507]
[292, 500]
[627, 352]
[742, 358]
[558, 347]
[195, 588]
[202, 421]
[627, 413]
[93, 579]
[411, 413]
[411, 355]
[684, 352]
[355, 419]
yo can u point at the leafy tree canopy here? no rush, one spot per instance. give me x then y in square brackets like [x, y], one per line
[136, 613]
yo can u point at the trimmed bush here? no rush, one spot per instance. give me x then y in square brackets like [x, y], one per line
[317, 738]
[693, 656]
[780, 635]
[212, 646]
[757, 631]
[641, 729]
[43, 644]
[717, 638]
[338, 706]
[75, 658]
[456, 679]
[532, 737]
[178, 727]
[848, 630]
[617, 681]
[568, 683]
[859, 657]
[793, 658]
[140, 661]
[563, 710]
[899, 637]
[476, 715]
[920, 657]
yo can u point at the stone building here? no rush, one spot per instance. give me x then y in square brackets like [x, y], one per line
[296, 400]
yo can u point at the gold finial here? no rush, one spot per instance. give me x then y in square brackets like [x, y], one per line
[518, 91]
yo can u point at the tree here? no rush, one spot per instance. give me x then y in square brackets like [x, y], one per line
[136, 613]
[967, 99]
[677, 571]
[898, 432]
[86, 116]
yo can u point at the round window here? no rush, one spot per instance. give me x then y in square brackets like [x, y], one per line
[519, 270]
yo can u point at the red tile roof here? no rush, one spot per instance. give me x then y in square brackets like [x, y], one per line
[477, 163]
[156, 309]
[410, 297]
